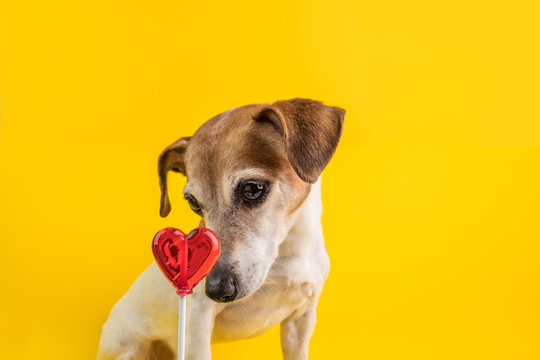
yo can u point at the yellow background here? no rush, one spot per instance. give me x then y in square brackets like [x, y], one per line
[431, 203]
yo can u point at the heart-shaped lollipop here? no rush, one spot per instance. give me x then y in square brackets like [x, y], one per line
[185, 260]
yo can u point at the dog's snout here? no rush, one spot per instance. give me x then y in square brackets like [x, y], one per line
[221, 289]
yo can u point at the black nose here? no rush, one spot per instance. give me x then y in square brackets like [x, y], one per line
[220, 289]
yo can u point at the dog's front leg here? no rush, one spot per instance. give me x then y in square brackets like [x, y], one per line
[296, 332]
[201, 312]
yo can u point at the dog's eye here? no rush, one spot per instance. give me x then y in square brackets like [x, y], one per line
[194, 205]
[252, 190]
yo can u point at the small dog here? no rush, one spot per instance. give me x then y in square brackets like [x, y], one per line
[253, 175]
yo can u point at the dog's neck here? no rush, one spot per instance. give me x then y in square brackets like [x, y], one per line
[306, 232]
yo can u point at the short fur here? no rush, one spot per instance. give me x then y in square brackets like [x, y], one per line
[273, 254]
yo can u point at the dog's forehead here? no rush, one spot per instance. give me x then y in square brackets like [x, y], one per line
[233, 145]
[226, 122]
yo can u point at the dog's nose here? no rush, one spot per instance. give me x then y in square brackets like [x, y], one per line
[221, 289]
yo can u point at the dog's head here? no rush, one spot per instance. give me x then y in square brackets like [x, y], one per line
[248, 172]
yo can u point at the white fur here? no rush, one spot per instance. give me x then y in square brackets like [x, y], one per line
[289, 295]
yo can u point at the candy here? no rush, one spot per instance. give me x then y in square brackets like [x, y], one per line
[185, 261]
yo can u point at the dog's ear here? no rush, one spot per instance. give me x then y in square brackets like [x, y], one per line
[311, 132]
[172, 158]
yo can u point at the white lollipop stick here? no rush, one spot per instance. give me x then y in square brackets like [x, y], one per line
[182, 327]
[170, 248]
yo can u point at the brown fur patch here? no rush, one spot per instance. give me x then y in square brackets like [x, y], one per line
[231, 142]
[311, 132]
[172, 158]
[290, 137]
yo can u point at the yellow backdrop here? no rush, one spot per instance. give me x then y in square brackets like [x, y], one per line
[431, 203]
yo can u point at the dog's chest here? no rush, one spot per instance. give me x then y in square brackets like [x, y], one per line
[280, 296]
[261, 311]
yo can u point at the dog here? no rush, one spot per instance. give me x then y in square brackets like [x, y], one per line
[253, 176]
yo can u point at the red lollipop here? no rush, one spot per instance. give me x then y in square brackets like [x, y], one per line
[185, 260]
